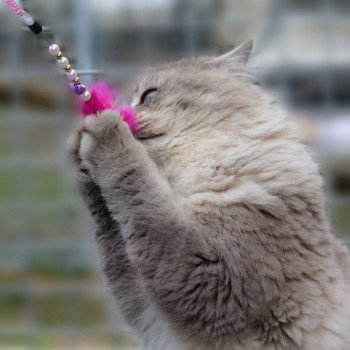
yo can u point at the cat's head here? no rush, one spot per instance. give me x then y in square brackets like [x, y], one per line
[187, 101]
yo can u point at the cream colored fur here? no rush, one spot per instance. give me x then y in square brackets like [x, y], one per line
[213, 234]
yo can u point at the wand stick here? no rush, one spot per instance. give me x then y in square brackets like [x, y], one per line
[94, 100]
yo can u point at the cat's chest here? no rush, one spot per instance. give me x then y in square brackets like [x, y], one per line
[158, 332]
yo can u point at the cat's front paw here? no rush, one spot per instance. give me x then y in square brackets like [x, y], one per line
[104, 143]
[74, 143]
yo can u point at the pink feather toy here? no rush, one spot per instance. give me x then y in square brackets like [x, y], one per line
[102, 98]
[94, 99]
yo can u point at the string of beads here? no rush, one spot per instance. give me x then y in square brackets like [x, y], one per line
[75, 85]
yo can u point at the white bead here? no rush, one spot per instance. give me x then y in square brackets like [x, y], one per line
[72, 75]
[63, 62]
[54, 50]
[27, 19]
[86, 95]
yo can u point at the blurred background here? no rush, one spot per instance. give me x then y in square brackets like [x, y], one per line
[52, 295]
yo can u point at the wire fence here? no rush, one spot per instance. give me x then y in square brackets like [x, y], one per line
[52, 294]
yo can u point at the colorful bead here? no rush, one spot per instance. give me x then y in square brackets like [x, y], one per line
[54, 50]
[72, 75]
[75, 85]
[86, 96]
[77, 88]
[63, 62]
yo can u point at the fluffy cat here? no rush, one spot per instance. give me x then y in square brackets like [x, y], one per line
[210, 219]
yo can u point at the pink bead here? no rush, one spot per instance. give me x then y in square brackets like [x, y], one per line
[54, 49]
[72, 75]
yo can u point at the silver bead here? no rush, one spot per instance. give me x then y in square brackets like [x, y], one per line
[86, 95]
[63, 62]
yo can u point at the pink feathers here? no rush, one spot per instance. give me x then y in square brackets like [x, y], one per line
[128, 114]
[102, 98]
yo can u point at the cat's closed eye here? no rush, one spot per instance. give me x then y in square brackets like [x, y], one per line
[147, 95]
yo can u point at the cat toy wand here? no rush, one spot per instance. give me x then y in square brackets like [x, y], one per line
[93, 100]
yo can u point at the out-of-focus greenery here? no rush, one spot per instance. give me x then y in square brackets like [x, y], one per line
[341, 220]
[82, 342]
[8, 188]
[11, 309]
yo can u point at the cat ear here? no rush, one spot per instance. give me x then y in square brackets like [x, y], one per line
[237, 58]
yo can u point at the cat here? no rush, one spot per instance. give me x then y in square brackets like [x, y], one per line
[210, 220]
